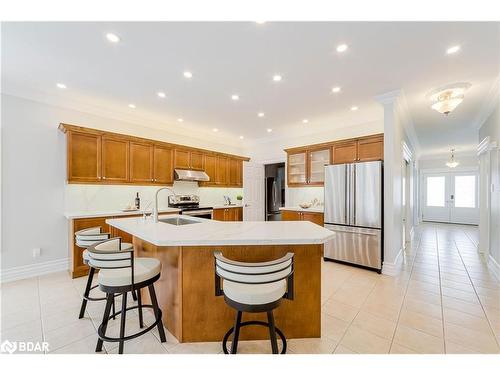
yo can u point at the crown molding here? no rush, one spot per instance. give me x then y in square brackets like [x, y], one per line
[485, 145]
[492, 100]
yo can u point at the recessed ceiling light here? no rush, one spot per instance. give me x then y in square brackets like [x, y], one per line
[277, 78]
[241, 137]
[336, 89]
[260, 22]
[215, 130]
[354, 108]
[188, 74]
[180, 119]
[261, 114]
[161, 94]
[113, 38]
[61, 85]
[305, 121]
[269, 130]
[452, 50]
[342, 47]
[235, 97]
[132, 106]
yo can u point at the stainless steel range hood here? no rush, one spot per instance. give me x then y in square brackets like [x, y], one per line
[190, 175]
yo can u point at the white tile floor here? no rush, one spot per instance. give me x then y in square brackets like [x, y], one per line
[445, 300]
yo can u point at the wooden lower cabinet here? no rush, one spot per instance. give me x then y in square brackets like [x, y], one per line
[314, 217]
[228, 214]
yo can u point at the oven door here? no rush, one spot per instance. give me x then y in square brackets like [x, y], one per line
[204, 214]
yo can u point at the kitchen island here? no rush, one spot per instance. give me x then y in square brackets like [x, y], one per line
[186, 289]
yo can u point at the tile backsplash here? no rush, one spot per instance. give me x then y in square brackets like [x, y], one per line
[116, 197]
[295, 196]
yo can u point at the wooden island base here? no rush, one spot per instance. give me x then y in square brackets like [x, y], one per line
[192, 313]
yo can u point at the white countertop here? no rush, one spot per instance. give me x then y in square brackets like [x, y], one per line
[211, 233]
[319, 209]
[86, 214]
[217, 206]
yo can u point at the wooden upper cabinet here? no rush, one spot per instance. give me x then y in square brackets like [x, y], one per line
[163, 165]
[317, 159]
[197, 161]
[371, 149]
[115, 159]
[84, 157]
[297, 168]
[141, 162]
[221, 170]
[235, 172]
[181, 159]
[210, 164]
[345, 152]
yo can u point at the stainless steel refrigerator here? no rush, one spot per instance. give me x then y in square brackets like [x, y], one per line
[275, 190]
[354, 211]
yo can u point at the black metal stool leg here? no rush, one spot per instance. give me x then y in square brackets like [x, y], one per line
[134, 296]
[122, 322]
[105, 318]
[139, 303]
[272, 332]
[114, 311]
[236, 332]
[86, 293]
[157, 311]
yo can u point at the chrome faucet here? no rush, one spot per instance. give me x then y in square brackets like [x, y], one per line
[155, 208]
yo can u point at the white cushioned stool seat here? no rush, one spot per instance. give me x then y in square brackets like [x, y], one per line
[85, 256]
[144, 269]
[255, 294]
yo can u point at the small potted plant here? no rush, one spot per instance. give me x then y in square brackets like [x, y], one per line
[239, 198]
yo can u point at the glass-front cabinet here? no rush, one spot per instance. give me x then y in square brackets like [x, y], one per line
[297, 169]
[306, 168]
[317, 161]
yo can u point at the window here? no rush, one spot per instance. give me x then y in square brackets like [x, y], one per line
[435, 191]
[465, 191]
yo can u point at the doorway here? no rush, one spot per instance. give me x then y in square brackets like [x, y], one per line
[451, 197]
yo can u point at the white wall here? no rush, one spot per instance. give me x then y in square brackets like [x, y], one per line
[34, 194]
[439, 162]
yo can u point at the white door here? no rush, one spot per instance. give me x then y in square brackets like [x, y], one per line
[451, 197]
[253, 191]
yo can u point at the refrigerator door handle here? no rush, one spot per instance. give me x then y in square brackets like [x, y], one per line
[353, 190]
[347, 195]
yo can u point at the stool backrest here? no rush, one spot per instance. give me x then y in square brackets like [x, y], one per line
[89, 236]
[254, 273]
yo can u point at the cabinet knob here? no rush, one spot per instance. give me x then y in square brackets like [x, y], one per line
[104, 178]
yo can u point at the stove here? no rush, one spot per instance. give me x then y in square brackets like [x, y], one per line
[190, 205]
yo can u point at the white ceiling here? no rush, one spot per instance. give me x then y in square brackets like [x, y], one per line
[240, 58]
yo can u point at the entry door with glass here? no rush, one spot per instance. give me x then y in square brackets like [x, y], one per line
[451, 197]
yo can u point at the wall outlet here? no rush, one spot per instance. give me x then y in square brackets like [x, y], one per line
[37, 252]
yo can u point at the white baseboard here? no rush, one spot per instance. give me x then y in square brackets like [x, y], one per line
[32, 270]
[494, 266]
[393, 268]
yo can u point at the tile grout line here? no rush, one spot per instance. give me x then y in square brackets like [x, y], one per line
[441, 291]
[40, 308]
[405, 293]
[475, 291]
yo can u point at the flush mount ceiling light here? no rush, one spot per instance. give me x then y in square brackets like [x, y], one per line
[452, 50]
[277, 78]
[336, 89]
[342, 48]
[261, 114]
[188, 74]
[452, 163]
[113, 38]
[161, 94]
[61, 85]
[235, 97]
[445, 99]
[132, 106]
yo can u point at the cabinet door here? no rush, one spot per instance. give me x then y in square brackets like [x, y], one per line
[141, 162]
[219, 214]
[84, 157]
[317, 161]
[290, 215]
[181, 159]
[115, 159]
[196, 160]
[78, 268]
[315, 217]
[238, 214]
[297, 169]
[221, 171]
[344, 152]
[210, 169]
[163, 165]
[235, 172]
[371, 149]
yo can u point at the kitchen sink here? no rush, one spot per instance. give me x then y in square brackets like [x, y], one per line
[177, 221]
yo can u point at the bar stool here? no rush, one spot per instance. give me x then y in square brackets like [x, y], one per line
[254, 288]
[121, 273]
